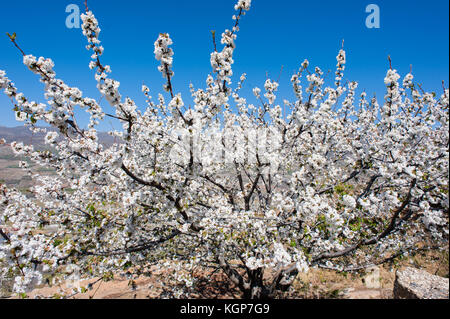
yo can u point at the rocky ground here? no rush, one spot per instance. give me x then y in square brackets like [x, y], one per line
[374, 283]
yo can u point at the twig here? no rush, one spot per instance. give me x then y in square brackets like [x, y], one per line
[214, 39]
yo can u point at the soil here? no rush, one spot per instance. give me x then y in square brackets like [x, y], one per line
[316, 284]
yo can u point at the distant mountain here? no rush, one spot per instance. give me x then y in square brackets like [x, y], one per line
[24, 135]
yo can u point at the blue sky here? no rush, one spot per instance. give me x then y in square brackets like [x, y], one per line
[273, 34]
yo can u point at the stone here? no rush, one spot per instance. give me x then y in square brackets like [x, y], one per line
[372, 279]
[412, 283]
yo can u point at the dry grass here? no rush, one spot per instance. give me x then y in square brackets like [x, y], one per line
[316, 284]
[320, 283]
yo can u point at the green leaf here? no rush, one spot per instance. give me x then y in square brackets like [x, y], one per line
[57, 242]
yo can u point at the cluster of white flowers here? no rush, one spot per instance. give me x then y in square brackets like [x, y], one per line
[349, 201]
[257, 92]
[243, 5]
[340, 66]
[270, 87]
[51, 137]
[164, 54]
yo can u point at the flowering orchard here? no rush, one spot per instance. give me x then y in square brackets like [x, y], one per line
[342, 182]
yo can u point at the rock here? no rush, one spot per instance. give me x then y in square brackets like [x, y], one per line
[347, 290]
[412, 283]
[372, 279]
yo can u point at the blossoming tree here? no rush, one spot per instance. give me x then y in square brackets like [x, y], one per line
[336, 184]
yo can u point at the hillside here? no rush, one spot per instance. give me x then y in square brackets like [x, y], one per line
[10, 172]
[24, 135]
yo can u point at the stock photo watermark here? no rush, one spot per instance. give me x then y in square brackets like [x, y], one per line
[74, 18]
[373, 19]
